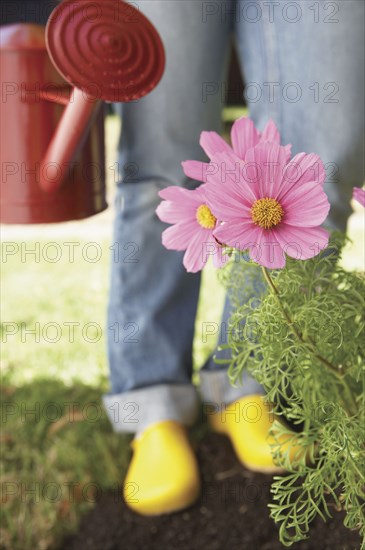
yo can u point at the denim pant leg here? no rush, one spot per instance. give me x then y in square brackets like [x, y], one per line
[304, 67]
[215, 386]
[153, 300]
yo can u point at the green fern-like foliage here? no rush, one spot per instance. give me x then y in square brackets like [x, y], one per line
[305, 345]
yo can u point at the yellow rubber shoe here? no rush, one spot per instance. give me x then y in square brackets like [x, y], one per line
[163, 476]
[247, 423]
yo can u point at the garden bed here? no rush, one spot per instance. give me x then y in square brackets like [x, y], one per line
[231, 514]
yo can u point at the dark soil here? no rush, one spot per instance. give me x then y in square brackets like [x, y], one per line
[231, 514]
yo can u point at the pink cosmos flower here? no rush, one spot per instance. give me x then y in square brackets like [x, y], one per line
[193, 227]
[244, 136]
[359, 195]
[268, 206]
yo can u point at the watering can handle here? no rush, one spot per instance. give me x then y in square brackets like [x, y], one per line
[68, 139]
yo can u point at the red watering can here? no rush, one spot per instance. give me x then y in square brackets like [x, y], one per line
[53, 81]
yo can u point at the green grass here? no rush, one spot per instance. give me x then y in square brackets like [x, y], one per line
[62, 381]
[56, 461]
[60, 443]
[50, 299]
[54, 445]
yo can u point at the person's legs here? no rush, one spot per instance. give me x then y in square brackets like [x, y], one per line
[152, 299]
[304, 67]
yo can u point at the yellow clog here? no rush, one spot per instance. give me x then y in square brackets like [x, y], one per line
[163, 476]
[247, 423]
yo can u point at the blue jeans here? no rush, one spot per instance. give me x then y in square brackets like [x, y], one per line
[303, 66]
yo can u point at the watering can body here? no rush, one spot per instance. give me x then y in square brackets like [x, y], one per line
[52, 131]
[34, 188]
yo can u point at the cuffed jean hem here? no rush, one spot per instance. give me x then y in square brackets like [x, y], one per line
[217, 391]
[135, 410]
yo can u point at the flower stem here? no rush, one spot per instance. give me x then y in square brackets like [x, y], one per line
[294, 329]
[353, 407]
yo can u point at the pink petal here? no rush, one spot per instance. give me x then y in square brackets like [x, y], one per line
[359, 195]
[268, 251]
[226, 205]
[302, 169]
[183, 206]
[301, 243]
[213, 143]
[237, 234]
[288, 151]
[173, 212]
[224, 166]
[188, 197]
[230, 176]
[306, 205]
[267, 161]
[244, 136]
[196, 255]
[195, 169]
[177, 237]
[271, 133]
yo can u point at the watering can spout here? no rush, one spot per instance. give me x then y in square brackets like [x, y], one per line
[67, 140]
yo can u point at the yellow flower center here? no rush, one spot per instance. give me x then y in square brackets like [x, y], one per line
[205, 217]
[267, 213]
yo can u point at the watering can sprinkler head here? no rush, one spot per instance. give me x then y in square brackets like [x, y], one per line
[106, 50]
